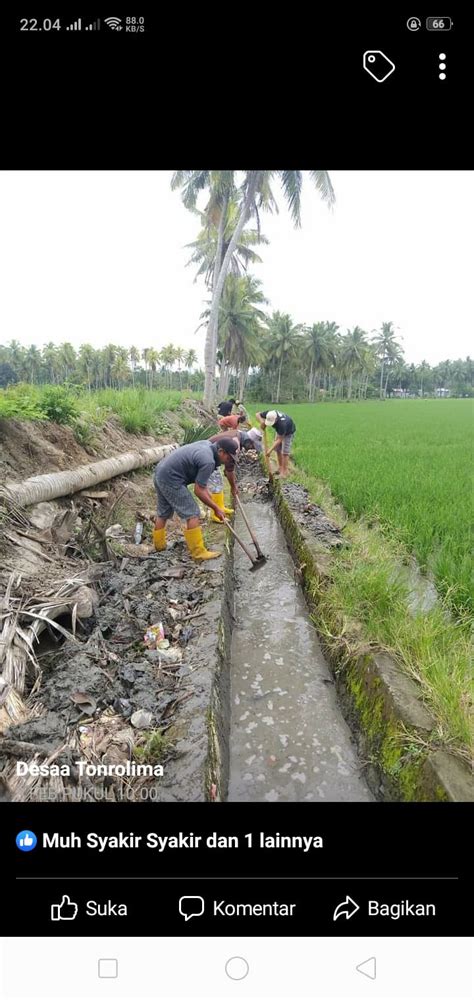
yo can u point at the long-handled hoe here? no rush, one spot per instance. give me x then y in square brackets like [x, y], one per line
[260, 555]
[256, 563]
[266, 459]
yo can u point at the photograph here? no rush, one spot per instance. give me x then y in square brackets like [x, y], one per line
[236, 486]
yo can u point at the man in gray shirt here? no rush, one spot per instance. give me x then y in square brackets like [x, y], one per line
[192, 463]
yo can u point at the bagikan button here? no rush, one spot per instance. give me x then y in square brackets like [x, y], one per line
[237, 967]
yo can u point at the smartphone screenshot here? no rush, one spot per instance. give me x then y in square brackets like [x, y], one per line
[236, 439]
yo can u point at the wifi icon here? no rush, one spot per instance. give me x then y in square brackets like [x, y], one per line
[114, 22]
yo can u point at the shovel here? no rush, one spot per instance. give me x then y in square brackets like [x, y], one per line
[267, 460]
[260, 556]
[255, 562]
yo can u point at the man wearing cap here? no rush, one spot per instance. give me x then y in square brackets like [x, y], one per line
[246, 440]
[285, 431]
[192, 463]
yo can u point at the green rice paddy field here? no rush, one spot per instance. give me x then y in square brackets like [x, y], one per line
[406, 463]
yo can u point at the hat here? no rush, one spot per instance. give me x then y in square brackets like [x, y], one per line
[271, 418]
[254, 434]
[228, 444]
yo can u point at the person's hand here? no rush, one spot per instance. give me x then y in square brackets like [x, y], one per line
[235, 492]
[219, 513]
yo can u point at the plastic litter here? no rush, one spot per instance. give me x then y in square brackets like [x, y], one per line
[141, 719]
[153, 635]
[138, 532]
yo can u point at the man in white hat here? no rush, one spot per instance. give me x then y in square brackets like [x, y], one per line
[285, 431]
[247, 441]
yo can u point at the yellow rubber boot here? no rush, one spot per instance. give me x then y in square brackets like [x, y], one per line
[159, 539]
[219, 502]
[195, 543]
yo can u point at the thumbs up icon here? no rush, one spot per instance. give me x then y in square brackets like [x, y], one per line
[65, 910]
[26, 840]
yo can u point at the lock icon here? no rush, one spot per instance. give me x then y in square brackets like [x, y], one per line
[413, 23]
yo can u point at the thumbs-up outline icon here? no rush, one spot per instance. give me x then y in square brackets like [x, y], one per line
[65, 910]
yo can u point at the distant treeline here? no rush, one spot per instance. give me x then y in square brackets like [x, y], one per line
[294, 363]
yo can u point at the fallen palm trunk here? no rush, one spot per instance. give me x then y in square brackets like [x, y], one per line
[61, 484]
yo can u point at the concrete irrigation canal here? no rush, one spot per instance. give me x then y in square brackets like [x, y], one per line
[288, 738]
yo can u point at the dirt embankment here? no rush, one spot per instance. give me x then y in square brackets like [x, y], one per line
[33, 447]
[102, 697]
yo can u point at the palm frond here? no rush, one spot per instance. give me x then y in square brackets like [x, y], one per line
[292, 182]
[323, 184]
[199, 433]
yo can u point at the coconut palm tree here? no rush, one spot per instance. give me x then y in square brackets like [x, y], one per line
[109, 355]
[86, 361]
[168, 358]
[241, 327]
[49, 355]
[423, 368]
[283, 343]
[179, 356]
[205, 247]
[387, 350]
[255, 195]
[319, 350]
[153, 358]
[190, 360]
[66, 360]
[134, 356]
[32, 363]
[16, 356]
[354, 354]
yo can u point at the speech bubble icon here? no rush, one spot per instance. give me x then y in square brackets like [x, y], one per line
[191, 906]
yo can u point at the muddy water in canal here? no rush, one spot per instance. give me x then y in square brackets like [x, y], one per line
[288, 740]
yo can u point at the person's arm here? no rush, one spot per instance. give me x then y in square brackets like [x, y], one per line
[230, 476]
[278, 440]
[261, 418]
[203, 494]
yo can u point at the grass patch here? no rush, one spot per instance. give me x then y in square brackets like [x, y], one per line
[365, 602]
[405, 465]
[154, 750]
[139, 411]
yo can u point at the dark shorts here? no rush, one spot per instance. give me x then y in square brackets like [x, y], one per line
[175, 499]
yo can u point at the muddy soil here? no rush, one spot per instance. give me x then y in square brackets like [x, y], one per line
[109, 673]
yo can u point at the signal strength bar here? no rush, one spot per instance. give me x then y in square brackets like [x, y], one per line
[75, 26]
[94, 26]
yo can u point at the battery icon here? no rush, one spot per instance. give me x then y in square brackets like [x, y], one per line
[439, 23]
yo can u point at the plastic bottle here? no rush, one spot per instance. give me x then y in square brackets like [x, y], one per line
[138, 532]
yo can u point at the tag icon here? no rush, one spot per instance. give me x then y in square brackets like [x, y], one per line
[378, 65]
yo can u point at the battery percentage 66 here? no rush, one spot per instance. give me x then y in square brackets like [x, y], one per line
[439, 23]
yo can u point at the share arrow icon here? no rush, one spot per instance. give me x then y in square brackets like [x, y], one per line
[346, 909]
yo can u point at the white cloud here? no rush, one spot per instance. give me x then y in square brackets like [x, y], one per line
[99, 257]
